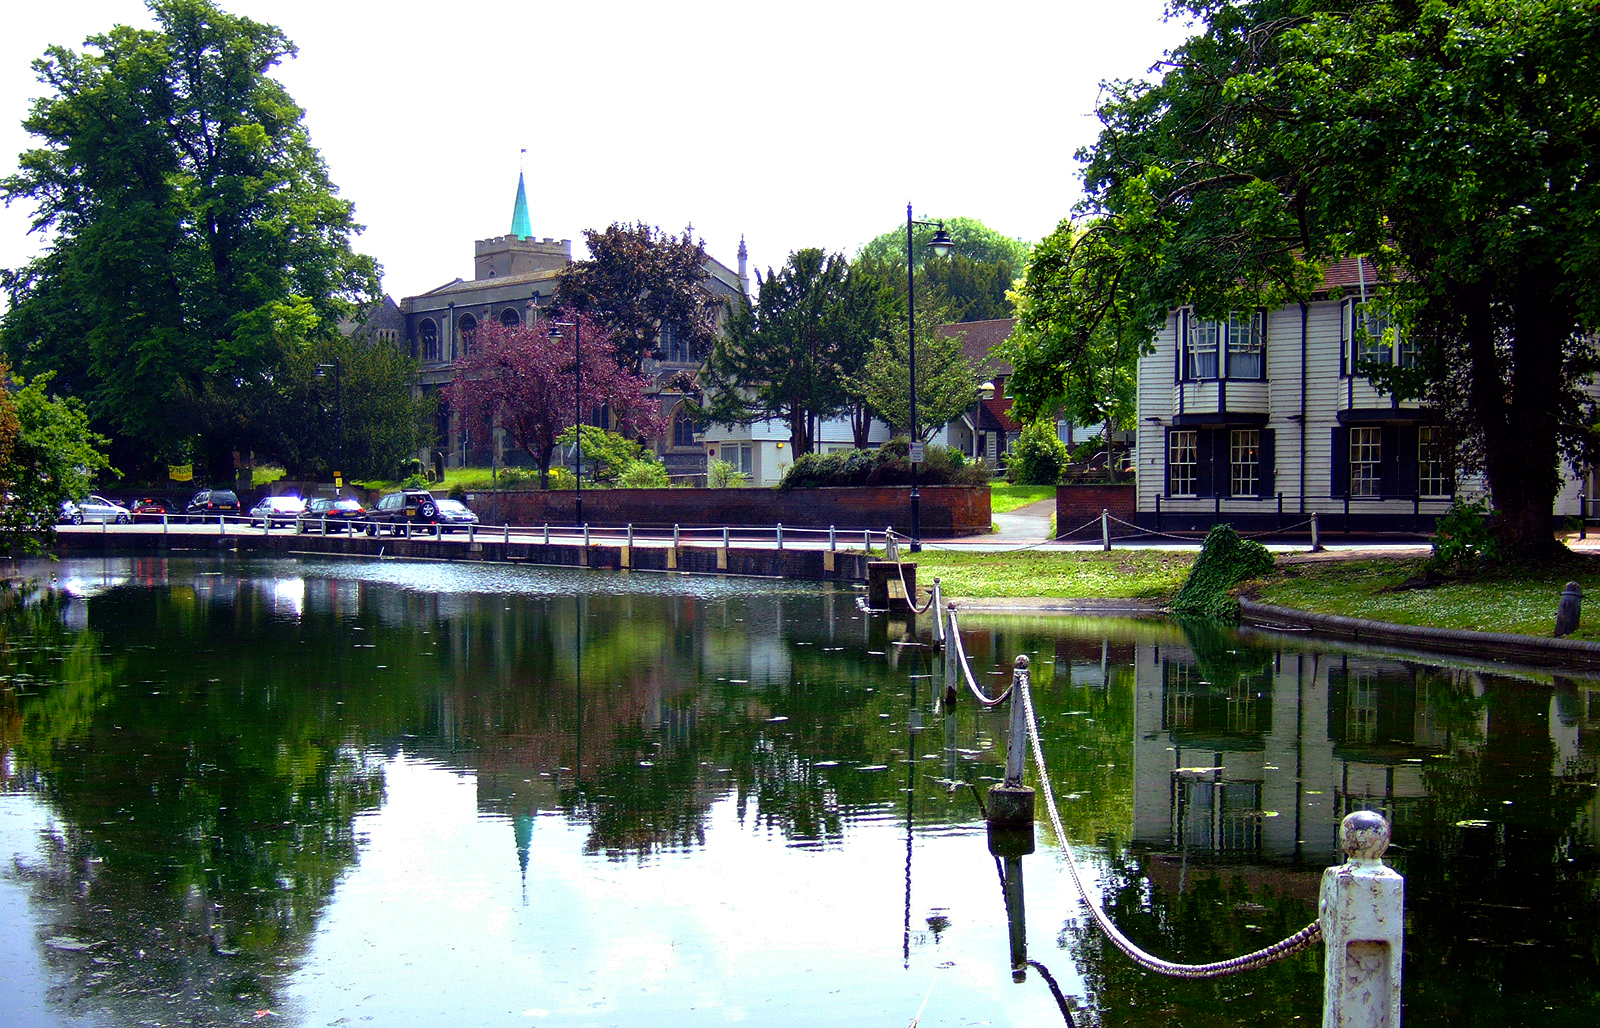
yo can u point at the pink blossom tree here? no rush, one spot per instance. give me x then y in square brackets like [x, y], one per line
[521, 381]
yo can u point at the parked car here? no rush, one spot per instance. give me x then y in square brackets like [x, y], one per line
[98, 508]
[276, 511]
[326, 514]
[455, 516]
[213, 501]
[150, 508]
[415, 508]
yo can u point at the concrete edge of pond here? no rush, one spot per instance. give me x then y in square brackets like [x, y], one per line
[1096, 605]
[1528, 649]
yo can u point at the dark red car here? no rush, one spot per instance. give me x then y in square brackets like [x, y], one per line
[325, 514]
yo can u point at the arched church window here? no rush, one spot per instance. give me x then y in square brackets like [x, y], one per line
[510, 318]
[428, 332]
[468, 326]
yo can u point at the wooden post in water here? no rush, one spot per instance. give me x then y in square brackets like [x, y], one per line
[1362, 912]
[1010, 813]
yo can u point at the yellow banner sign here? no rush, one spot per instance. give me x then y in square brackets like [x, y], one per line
[180, 472]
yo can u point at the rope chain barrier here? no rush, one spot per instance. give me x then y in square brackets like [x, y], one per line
[911, 600]
[966, 671]
[1304, 939]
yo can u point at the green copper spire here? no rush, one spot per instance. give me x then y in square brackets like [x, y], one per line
[521, 224]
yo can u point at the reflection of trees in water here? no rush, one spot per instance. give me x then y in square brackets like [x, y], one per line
[1219, 916]
[204, 822]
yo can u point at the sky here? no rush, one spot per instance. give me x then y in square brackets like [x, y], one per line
[792, 125]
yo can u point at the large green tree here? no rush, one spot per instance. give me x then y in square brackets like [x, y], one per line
[971, 284]
[185, 210]
[640, 282]
[1078, 338]
[790, 354]
[1455, 141]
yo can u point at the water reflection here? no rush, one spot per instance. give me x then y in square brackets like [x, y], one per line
[261, 783]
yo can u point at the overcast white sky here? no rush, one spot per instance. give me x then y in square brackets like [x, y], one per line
[795, 124]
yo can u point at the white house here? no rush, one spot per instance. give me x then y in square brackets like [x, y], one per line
[1261, 419]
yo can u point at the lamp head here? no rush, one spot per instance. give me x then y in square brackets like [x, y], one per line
[941, 243]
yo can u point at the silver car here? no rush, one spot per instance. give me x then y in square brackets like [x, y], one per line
[97, 508]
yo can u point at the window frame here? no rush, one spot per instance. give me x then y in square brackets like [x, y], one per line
[1244, 476]
[1212, 350]
[1366, 473]
[1184, 441]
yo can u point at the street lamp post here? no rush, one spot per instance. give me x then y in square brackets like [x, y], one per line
[338, 422]
[940, 245]
[576, 325]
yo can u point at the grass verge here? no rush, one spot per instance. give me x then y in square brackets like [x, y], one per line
[1121, 574]
[1520, 599]
[1005, 497]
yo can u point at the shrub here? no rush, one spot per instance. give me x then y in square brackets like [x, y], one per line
[1088, 449]
[458, 492]
[721, 475]
[1038, 456]
[889, 465]
[515, 478]
[562, 478]
[644, 474]
[417, 481]
[1462, 537]
[1224, 561]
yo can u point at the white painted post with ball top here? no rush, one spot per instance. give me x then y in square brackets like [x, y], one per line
[1362, 913]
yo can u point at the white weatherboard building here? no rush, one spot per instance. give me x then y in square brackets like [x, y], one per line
[1261, 419]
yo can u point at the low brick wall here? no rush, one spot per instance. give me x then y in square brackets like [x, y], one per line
[1078, 504]
[946, 510]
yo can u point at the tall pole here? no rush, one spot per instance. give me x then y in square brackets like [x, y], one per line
[338, 422]
[911, 335]
[577, 378]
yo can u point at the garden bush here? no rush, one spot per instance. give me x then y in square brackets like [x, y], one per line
[888, 465]
[1224, 561]
[1038, 456]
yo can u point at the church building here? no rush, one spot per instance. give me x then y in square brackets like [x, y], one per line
[513, 281]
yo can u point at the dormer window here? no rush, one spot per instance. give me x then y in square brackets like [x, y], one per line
[1231, 348]
[1367, 333]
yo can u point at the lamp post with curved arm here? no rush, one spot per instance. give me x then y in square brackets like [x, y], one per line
[940, 244]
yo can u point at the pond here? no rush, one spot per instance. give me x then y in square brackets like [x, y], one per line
[320, 792]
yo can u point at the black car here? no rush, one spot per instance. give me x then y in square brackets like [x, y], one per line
[455, 516]
[327, 514]
[408, 509]
[213, 501]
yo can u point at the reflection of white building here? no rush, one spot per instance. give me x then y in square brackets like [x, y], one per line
[1262, 762]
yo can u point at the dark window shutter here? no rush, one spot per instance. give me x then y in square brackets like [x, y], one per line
[1406, 483]
[1346, 317]
[1339, 462]
[1390, 483]
[1268, 465]
[1205, 441]
[1166, 461]
[1178, 343]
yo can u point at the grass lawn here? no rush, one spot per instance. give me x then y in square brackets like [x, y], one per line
[1153, 574]
[1005, 497]
[1512, 599]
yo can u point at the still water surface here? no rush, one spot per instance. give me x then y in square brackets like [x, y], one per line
[319, 793]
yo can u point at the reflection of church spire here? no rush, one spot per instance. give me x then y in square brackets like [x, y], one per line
[521, 223]
[523, 823]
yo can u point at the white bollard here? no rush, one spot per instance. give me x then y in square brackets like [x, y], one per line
[222, 525]
[586, 535]
[780, 535]
[724, 538]
[1316, 534]
[832, 542]
[1105, 530]
[1362, 912]
[1017, 745]
[938, 616]
[674, 535]
[630, 535]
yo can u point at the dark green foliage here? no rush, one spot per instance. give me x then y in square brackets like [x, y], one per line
[887, 466]
[1463, 536]
[195, 239]
[1038, 456]
[1224, 561]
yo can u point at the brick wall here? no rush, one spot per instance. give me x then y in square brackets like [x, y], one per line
[945, 510]
[1076, 504]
